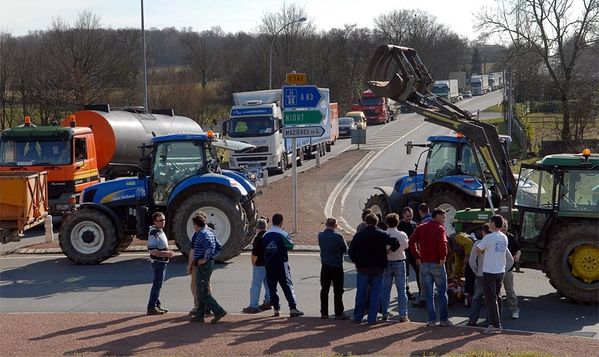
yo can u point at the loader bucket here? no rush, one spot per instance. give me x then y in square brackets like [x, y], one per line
[398, 73]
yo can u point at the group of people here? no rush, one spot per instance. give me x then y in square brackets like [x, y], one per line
[381, 250]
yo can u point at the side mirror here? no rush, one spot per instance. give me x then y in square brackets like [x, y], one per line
[409, 147]
[412, 173]
[224, 128]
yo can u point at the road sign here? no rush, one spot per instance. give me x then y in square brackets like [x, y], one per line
[297, 78]
[302, 117]
[301, 96]
[302, 131]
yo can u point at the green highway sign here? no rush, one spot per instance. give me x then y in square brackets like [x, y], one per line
[302, 117]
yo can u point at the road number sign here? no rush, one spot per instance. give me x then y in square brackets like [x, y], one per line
[301, 97]
[297, 78]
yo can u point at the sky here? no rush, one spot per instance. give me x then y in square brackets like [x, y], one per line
[18, 17]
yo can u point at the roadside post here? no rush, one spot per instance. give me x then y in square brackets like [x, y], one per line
[302, 118]
[358, 136]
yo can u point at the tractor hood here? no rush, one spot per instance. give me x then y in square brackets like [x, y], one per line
[232, 145]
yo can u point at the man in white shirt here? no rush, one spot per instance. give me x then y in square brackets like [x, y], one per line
[396, 269]
[494, 247]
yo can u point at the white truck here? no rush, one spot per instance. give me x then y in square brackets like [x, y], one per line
[257, 118]
[479, 83]
[461, 78]
[496, 80]
[447, 88]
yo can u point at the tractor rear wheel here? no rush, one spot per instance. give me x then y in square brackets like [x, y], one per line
[450, 201]
[227, 215]
[378, 205]
[572, 262]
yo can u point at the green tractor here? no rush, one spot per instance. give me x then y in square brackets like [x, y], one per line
[556, 219]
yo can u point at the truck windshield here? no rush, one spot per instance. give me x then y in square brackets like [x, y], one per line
[372, 101]
[28, 153]
[475, 85]
[251, 126]
[440, 89]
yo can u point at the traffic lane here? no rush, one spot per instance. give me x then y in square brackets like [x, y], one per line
[122, 284]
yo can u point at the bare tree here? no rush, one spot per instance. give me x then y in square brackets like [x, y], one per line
[547, 27]
[7, 48]
[204, 50]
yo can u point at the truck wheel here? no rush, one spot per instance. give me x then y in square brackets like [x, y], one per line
[124, 242]
[227, 215]
[378, 205]
[450, 201]
[282, 164]
[88, 236]
[300, 158]
[252, 217]
[572, 262]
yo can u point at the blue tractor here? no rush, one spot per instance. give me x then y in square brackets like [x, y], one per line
[450, 180]
[183, 177]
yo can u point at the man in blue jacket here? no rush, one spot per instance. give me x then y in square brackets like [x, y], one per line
[276, 242]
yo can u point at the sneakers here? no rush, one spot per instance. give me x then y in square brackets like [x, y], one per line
[515, 315]
[265, 306]
[250, 310]
[471, 323]
[276, 313]
[492, 330]
[156, 311]
[445, 323]
[295, 313]
[431, 324]
[162, 309]
[342, 317]
[404, 319]
[217, 317]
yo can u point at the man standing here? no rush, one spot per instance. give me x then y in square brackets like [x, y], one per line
[206, 248]
[276, 242]
[494, 247]
[407, 225]
[332, 247]
[159, 256]
[508, 279]
[423, 210]
[258, 272]
[428, 243]
[368, 250]
[396, 269]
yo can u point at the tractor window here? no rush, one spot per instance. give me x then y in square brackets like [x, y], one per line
[469, 163]
[579, 191]
[535, 189]
[441, 161]
[174, 162]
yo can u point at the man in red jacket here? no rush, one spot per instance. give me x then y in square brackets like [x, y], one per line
[428, 244]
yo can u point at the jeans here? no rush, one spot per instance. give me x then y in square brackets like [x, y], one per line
[477, 299]
[159, 269]
[364, 282]
[205, 298]
[280, 274]
[433, 273]
[258, 279]
[470, 278]
[412, 262]
[395, 270]
[512, 298]
[330, 274]
[492, 293]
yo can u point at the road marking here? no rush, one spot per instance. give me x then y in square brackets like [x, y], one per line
[346, 189]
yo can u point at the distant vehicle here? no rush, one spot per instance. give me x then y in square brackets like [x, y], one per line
[479, 84]
[359, 118]
[346, 124]
[375, 108]
[460, 77]
[447, 89]
[466, 94]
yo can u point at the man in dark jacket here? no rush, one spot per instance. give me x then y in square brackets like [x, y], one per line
[368, 250]
[332, 247]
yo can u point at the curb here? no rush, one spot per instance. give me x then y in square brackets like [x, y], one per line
[141, 248]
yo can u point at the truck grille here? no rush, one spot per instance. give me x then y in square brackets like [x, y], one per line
[258, 149]
[370, 112]
[251, 159]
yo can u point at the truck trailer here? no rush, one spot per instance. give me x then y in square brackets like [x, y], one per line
[447, 88]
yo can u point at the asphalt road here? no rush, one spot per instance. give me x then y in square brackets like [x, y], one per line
[42, 283]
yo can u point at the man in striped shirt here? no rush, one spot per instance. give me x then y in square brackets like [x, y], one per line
[206, 248]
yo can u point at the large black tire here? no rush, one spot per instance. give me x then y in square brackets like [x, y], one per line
[252, 217]
[88, 236]
[572, 262]
[124, 242]
[378, 205]
[451, 201]
[223, 211]
[300, 158]
[282, 164]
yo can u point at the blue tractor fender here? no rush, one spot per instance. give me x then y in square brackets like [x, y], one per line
[239, 177]
[467, 184]
[209, 181]
[104, 209]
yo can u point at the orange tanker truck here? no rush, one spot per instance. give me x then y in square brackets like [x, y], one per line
[91, 144]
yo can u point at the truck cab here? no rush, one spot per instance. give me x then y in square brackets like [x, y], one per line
[375, 108]
[66, 153]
